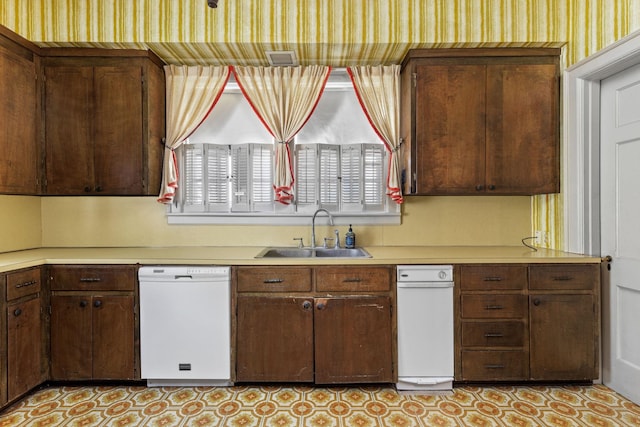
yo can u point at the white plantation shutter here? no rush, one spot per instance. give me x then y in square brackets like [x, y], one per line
[351, 182]
[193, 171]
[217, 176]
[240, 178]
[262, 193]
[329, 172]
[306, 177]
[373, 177]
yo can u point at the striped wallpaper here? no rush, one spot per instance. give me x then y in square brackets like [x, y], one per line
[334, 32]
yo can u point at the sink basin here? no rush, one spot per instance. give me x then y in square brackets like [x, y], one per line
[313, 253]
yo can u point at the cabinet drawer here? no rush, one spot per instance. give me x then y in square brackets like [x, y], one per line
[564, 276]
[93, 278]
[494, 365]
[493, 306]
[493, 277]
[493, 334]
[347, 279]
[21, 283]
[274, 279]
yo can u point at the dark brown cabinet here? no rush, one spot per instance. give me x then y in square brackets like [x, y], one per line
[563, 312]
[25, 352]
[327, 325]
[93, 322]
[104, 120]
[527, 322]
[481, 121]
[20, 160]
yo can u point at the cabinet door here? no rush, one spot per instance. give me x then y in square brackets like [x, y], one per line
[275, 339]
[113, 337]
[449, 129]
[71, 337]
[522, 129]
[24, 347]
[563, 345]
[68, 129]
[353, 340]
[19, 164]
[119, 140]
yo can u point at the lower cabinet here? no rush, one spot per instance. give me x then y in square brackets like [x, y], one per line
[25, 368]
[527, 322]
[288, 330]
[93, 322]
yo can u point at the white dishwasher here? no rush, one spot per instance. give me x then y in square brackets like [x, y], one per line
[185, 331]
[425, 327]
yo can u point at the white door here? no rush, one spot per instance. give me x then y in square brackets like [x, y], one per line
[620, 229]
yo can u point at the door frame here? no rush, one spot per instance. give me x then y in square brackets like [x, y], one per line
[581, 176]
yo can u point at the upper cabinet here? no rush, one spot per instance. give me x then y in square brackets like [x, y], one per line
[481, 121]
[20, 159]
[104, 116]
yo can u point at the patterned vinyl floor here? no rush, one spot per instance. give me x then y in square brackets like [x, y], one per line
[277, 406]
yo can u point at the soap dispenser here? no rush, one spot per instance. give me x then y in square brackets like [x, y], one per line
[350, 239]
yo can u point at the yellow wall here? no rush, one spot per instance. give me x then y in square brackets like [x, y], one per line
[340, 32]
[20, 223]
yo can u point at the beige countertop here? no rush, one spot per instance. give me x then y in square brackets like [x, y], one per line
[245, 255]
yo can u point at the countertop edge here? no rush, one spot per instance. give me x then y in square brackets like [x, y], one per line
[245, 255]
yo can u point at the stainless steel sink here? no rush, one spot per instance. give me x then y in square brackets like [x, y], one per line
[313, 253]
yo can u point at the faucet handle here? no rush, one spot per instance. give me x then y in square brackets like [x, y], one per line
[324, 245]
[301, 243]
[337, 240]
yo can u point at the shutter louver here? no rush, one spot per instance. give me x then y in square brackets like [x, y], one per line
[217, 177]
[262, 194]
[240, 178]
[373, 176]
[329, 158]
[306, 177]
[351, 167]
[193, 191]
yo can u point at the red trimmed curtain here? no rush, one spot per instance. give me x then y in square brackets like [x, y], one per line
[283, 98]
[378, 90]
[192, 92]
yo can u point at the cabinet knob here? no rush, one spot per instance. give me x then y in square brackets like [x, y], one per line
[321, 305]
[536, 301]
[479, 187]
[83, 303]
[492, 187]
[99, 188]
[17, 312]
[87, 189]
[97, 303]
[306, 305]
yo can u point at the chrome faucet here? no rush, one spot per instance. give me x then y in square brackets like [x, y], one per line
[313, 224]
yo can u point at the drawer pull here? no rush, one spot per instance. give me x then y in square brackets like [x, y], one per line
[90, 279]
[352, 280]
[493, 307]
[562, 278]
[494, 366]
[24, 284]
[273, 281]
[493, 335]
[493, 279]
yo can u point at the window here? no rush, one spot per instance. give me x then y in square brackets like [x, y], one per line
[340, 164]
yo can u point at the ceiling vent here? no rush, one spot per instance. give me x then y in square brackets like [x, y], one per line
[282, 58]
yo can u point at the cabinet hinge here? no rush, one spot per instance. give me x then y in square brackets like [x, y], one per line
[414, 79]
[49, 310]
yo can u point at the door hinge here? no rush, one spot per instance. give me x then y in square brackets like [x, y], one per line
[414, 79]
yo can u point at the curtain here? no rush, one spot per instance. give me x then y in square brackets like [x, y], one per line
[283, 98]
[192, 92]
[378, 90]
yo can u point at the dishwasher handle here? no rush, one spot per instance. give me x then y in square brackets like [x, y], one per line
[425, 285]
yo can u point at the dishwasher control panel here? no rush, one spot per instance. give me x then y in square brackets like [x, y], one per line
[425, 273]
